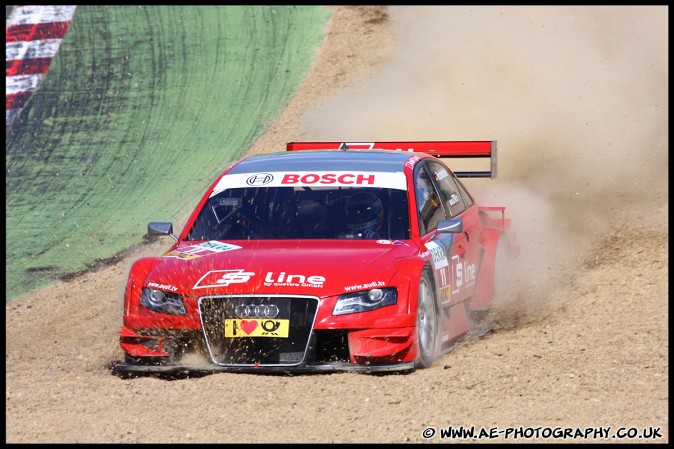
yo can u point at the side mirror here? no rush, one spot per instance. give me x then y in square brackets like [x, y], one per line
[452, 225]
[161, 228]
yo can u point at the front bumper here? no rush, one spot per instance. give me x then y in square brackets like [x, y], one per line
[369, 350]
[378, 343]
[127, 368]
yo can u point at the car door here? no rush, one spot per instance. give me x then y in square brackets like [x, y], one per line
[455, 255]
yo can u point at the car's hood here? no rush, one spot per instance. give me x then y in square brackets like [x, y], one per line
[313, 267]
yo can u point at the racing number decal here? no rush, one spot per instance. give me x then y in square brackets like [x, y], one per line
[442, 270]
[452, 278]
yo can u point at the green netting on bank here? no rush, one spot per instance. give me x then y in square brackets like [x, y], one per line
[142, 107]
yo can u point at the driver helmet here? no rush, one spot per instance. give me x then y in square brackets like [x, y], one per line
[364, 211]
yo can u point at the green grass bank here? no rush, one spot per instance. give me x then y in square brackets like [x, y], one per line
[142, 107]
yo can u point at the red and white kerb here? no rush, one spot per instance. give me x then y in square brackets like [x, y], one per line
[33, 35]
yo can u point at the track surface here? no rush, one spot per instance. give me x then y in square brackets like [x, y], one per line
[576, 98]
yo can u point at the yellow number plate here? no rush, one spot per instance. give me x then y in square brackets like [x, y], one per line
[257, 328]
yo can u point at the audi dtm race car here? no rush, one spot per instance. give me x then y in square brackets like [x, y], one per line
[329, 256]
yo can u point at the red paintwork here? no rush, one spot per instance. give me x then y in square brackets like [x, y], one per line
[478, 148]
[384, 335]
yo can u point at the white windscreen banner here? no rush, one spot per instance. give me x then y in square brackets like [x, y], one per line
[386, 180]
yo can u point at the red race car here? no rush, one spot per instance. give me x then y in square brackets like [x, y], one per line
[330, 256]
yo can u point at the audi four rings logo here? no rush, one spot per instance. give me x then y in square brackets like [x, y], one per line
[259, 179]
[256, 311]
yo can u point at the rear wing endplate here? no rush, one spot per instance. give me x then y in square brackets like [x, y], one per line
[440, 149]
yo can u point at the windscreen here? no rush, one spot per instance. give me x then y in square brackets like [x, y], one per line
[303, 212]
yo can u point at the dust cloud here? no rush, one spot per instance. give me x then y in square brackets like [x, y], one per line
[576, 97]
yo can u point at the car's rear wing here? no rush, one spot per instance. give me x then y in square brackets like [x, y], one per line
[440, 149]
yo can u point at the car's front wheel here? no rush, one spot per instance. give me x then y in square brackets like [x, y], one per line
[427, 321]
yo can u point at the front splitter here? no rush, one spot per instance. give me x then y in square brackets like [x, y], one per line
[126, 368]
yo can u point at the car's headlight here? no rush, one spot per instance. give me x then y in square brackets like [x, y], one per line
[162, 302]
[365, 300]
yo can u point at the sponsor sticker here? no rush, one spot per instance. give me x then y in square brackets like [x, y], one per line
[465, 273]
[312, 179]
[278, 328]
[162, 286]
[391, 242]
[438, 254]
[259, 179]
[442, 270]
[292, 280]
[373, 284]
[440, 175]
[453, 199]
[411, 161]
[201, 249]
[357, 146]
[223, 278]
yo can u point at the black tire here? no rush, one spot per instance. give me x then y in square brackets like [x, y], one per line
[427, 321]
